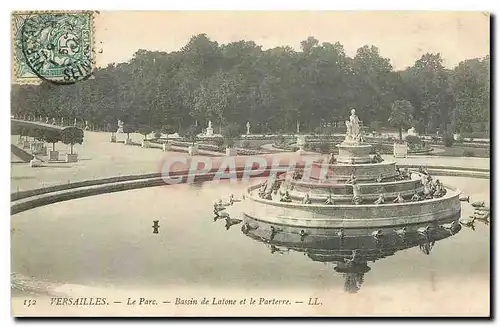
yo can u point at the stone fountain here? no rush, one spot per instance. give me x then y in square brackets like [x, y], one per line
[355, 190]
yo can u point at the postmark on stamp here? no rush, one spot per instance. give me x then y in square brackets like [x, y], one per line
[53, 46]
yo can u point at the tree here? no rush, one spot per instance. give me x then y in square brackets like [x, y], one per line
[192, 133]
[230, 133]
[145, 130]
[167, 129]
[272, 89]
[53, 137]
[129, 128]
[72, 136]
[401, 115]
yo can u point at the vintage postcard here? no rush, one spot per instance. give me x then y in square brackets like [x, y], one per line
[248, 164]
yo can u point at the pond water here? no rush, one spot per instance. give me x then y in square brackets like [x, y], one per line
[108, 241]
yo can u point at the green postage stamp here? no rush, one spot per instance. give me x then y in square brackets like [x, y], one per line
[52, 46]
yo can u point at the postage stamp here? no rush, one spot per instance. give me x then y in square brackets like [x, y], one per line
[52, 46]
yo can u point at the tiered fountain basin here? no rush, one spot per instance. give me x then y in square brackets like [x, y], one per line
[318, 192]
[354, 152]
[363, 171]
[442, 210]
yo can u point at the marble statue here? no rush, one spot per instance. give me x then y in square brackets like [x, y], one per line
[53, 121]
[209, 124]
[298, 127]
[47, 120]
[353, 133]
[120, 127]
[74, 123]
[62, 121]
[248, 128]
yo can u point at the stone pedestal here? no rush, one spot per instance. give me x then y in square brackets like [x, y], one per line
[193, 150]
[354, 153]
[231, 152]
[166, 147]
[400, 150]
[53, 155]
[301, 142]
[71, 157]
[35, 162]
[209, 132]
[41, 151]
[412, 132]
[38, 148]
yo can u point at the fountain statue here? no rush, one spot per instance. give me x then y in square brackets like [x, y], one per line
[248, 128]
[298, 127]
[210, 130]
[353, 134]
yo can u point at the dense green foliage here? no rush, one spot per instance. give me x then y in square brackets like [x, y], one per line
[71, 136]
[272, 89]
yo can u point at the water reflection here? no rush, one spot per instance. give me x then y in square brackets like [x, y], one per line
[348, 250]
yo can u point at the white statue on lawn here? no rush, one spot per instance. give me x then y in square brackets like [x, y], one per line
[120, 127]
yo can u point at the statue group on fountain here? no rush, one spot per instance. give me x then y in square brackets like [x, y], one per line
[354, 133]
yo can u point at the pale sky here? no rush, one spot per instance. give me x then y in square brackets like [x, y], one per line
[401, 36]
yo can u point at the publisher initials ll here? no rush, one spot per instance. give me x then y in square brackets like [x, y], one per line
[313, 301]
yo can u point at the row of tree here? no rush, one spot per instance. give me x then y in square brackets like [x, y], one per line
[272, 89]
[70, 135]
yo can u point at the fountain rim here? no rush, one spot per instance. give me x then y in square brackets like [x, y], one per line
[342, 164]
[455, 193]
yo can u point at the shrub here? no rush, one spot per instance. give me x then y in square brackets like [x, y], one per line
[219, 142]
[191, 133]
[145, 130]
[460, 139]
[230, 133]
[128, 128]
[414, 142]
[280, 139]
[324, 147]
[375, 126]
[448, 139]
[157, 135]
[469, 153]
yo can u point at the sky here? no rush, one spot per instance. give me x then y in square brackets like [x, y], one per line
[403, 37]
